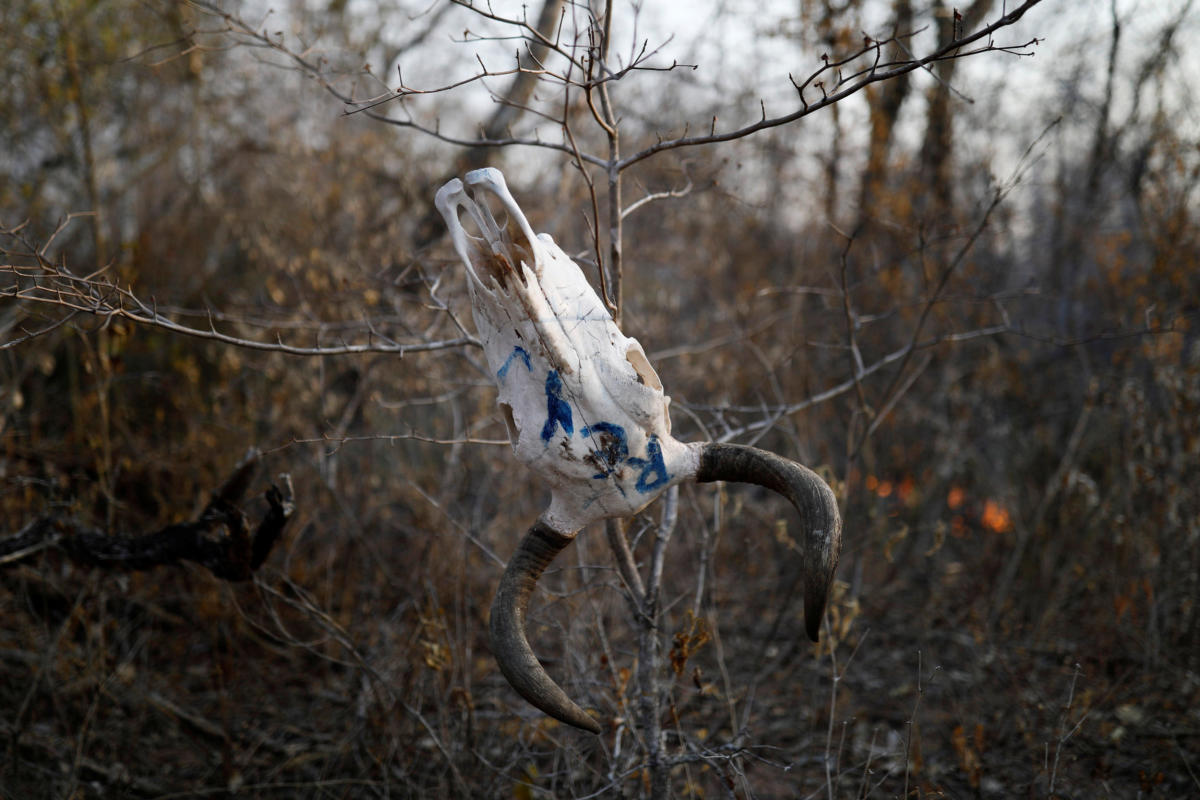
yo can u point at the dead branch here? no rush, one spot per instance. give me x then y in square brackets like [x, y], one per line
[853, 83]
[54, 286]
[233, 554]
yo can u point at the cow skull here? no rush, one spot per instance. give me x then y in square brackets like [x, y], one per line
[586, 412]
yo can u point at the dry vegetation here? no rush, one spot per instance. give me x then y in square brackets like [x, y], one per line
[993, 357]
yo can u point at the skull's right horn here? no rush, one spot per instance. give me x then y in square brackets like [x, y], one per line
[821, 524]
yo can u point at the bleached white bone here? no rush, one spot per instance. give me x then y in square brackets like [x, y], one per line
[586, 411]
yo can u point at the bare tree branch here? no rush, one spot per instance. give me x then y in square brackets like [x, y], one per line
[853, 84]
[57, 288]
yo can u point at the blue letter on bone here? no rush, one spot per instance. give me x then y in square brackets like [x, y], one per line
[654, 470]
[557, 410]
[518, 352]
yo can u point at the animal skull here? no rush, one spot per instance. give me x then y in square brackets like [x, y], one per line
[586, 411]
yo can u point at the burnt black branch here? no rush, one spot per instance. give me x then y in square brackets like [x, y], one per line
[219, 539]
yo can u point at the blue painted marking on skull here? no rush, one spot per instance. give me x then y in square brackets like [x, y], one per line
[557, 410]
[612, 446]
[518, 352]
[654, 469]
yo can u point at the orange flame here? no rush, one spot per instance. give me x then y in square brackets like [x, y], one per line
[996, 517]
[955, 497]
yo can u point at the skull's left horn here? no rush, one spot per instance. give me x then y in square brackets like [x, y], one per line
[821, 539]
[507, 627]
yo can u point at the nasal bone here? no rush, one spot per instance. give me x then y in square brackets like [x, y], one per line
[491, 180]
[448, 200]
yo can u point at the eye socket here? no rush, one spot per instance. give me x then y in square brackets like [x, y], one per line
[645, 372]
[510, 423]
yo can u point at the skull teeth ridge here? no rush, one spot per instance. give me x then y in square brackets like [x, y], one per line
[500, 249]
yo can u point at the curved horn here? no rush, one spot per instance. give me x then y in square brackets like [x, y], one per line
[812, 497]
[507, 627]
